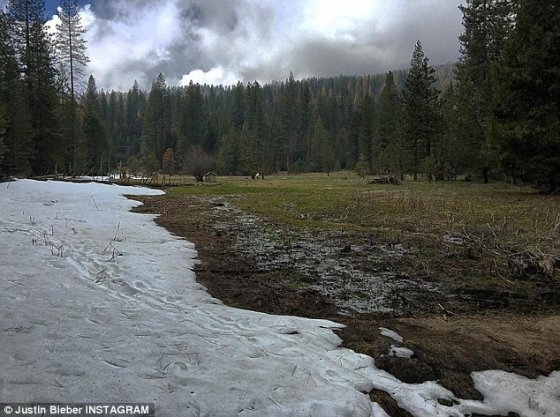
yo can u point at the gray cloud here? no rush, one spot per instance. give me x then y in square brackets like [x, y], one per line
[223, 41]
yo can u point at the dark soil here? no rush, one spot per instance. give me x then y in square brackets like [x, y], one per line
[453, 329]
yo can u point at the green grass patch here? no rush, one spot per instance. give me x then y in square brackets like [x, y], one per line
[430, 212]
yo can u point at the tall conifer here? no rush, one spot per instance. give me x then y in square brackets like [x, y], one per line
[156, 128]
[71, 51]
[420, 111]
[36, 63]
[95, 145]
[486, 25]
[527, 103]
[387, 125]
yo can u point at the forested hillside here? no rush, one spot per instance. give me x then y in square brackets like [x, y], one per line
[493, 115]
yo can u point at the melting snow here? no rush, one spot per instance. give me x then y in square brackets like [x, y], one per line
[391, 334]
[401, 352]
[99, 304]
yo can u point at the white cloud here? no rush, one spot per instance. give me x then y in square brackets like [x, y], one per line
[335, 18]
[141, 36]
[216, 41]
[215, 76]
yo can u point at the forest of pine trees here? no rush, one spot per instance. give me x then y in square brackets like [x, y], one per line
[492, 115]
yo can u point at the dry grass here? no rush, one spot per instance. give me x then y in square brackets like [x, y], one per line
[507, 229]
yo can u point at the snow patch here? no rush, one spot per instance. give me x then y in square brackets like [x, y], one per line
[401, 352]
[391, 334]
[505, 392]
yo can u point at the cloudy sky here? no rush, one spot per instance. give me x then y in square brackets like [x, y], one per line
[223, 41]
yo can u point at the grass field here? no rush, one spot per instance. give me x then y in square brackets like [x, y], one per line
[492, 216]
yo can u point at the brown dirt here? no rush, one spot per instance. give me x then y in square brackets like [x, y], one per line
[448, 347]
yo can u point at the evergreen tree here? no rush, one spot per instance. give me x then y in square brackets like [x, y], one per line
[289, 122]
[195, 126]
[420, 111]
[452, 149]
[351, 145]
[527, 102]
[322, 157]
[365, 135]
[7, 60]
[70, 43]
[2, 133]
[252, 139]
[25, 14]
[238, 110]
[71, 52]
[156, 127]
[305, 128]
[94, 151]
[248, 151]
[48, 144]
[190, 121]
[133, 122]
[17, 125]
[36, 63]
[486, 26]
[388, 143]
[228, 153]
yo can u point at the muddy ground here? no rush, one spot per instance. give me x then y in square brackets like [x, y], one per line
[366, 283]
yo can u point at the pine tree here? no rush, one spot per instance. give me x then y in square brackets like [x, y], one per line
[248, 151]
[289, 121]
[527, 102]
[228, 153]
[365, 135]
[388, 144]
[420, 111]
[190, 123]
[252, 140]
[322, 156]
[25, 14]
[70, 43]
[133, 121]
[8, 73]
[486, 26]
[95, 148]
[71, 52]
[452, 150]
[36, 63]
[2, 133]
[238, 110]
[195, 115]
[48, 144]
[156, 127]
[17, 125]
[305, 128]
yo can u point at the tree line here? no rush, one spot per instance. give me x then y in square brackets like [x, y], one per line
[492, 115]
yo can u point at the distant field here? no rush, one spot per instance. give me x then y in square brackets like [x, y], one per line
[492, 216]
